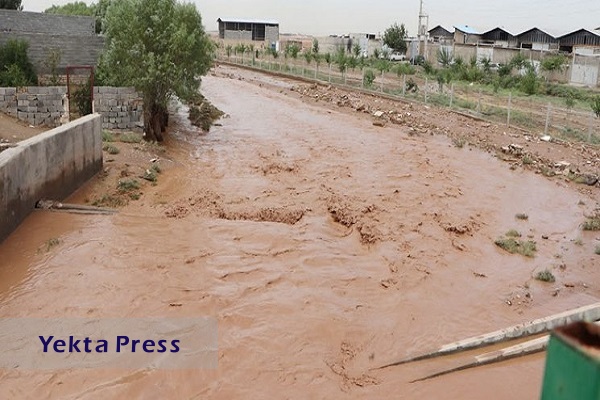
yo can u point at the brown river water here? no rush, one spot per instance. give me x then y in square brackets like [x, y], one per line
[323, 245]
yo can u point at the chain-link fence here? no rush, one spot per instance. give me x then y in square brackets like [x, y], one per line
[574, 121]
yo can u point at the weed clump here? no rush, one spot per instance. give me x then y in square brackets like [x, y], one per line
[545, 276]
[511, 244]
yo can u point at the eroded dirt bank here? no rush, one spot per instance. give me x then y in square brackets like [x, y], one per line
[324, 245]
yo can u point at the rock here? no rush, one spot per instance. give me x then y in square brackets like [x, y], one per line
[546, 138]
[562, 164]
[379, 123]
[378, 114]
[590, 180]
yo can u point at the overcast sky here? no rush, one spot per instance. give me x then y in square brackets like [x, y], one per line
[324, 17]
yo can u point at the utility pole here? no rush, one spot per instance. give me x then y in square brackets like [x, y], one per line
[422, 31]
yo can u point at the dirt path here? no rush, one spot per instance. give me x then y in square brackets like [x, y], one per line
[324, 245]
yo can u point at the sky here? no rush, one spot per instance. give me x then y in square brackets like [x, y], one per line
[326, 17]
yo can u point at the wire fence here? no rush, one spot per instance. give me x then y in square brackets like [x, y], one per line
[545, 116]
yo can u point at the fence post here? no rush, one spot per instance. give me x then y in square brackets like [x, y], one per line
[329, 75]
[547, 119]
[451, 94]
[509, 107]
[316, 70]
[591, 127]
[381, 83]
[403, 84]
[345, 73]
[479, 102]
[426, 82]
[362, 71]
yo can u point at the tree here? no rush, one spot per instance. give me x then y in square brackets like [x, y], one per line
[394, 37]
[315, 47]
[11, 5]
[595, 103]
[75, 8]
[160, 47]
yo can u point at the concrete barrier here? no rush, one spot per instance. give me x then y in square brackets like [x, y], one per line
[51, 165]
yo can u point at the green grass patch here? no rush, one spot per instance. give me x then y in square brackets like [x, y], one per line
[150, 176]
[107, 136]
[459, 142]
[513, 233]
[514, 246]
[156, 168]
[545, 276]
[130, 137]
[592, 224]
[109, 201]
[128, 185]
[527, 160]
[111, 149]
[50, 243]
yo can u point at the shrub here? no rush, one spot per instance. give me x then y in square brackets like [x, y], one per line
[15, 67]
[545, 276]
[592, 224]
[369, 77]
[596, 106]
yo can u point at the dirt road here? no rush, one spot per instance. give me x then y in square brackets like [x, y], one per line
[325, 246]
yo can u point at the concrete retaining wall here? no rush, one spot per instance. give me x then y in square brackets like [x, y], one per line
[51, 165]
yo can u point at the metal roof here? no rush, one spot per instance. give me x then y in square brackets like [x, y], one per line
[249, 21]
[498, 28]
[467, 29]
[593, 32]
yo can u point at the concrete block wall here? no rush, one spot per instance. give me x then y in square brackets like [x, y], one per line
[74, 50]
[121, 108]
[52, 24]
[51, 165]
[35, 105]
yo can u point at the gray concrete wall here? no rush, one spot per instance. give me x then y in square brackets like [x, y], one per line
[271, 34]
[240, 36]
[51, 165]
[74, 50]
[51, 24]
[121, 108]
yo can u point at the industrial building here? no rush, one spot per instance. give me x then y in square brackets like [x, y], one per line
[249, 30]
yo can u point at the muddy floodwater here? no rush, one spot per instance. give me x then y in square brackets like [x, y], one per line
[324, 246]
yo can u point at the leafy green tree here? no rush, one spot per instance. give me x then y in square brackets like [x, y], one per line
[315, 46]
[307, 56]
[394, 37]
[356, 50]
[11, 5]
[292, 50]
[160, 47]
[556, 62]
[75, 8]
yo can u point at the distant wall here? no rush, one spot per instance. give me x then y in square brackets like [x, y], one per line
[51, 165]
[50, 24]
[74, 50]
